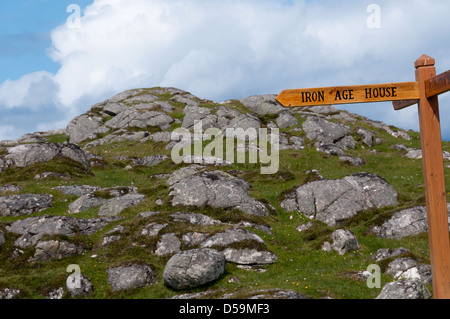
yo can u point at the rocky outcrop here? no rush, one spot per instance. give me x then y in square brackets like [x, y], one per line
[262, 104]
[333, 201]
[404, 289]
[26, 155]
[217, 189]
[24, 204]
[32, 229]
[404, 223]
[193, 268]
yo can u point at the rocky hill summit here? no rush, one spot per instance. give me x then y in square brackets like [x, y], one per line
[101, 210]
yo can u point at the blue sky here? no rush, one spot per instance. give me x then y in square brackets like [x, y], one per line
[25, 34]
[215, 49]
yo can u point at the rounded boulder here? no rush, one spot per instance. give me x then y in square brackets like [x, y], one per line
[193, 268]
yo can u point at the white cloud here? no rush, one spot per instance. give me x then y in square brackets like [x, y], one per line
[230, 49]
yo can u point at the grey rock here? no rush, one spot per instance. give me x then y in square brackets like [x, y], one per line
[399, 147]
[331, 149]
[281, 294]
[143, 98]
[194, 238]
[52, 175]
[10, 188]
[304, 227]
[333, 201]
[383, 126]
[130, 277]
[161, 137]
[153, 229]
[230, 237]
[34, 228]
[56, 294]
[132, 118]
[169, 244]
[53, 249]
[404, 223]
[326, 246]
[248, 256]
[247, 123]
[385, 253]
[400, 265]
[216, 189]
[85, 127]
[24, 204]
[297, 143]
[346, 143]
[205, 160]
[353, 161]
[344, 241]
[110, 239]
[194, 218]
[29, 154]
[123, 95]
[321, 130]
[8, 293]
[286, 119]
[115, 206]
[323, 109]
[199, 114]
[77, 190]
[367, 136]
[416, 153]
[79, 285]
[193, 268]
[84, 203]
[225, 115]
[404, 289]
[263, 104]
[113, 109]
[147, 214]
[118, 136]
[149, 160]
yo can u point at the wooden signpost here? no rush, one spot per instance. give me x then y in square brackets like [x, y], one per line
[424, 91]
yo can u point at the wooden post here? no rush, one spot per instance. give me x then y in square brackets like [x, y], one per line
[433, 171]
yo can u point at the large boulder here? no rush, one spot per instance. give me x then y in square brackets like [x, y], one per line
[193, 268]
[263, 104]
[286, 119]
[334, 201]
[216, 189]
[321, 130]
[85, 127]
[29, 154]
[344, 241]
[405, 223]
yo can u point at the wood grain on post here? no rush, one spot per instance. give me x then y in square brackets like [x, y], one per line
[433, 170]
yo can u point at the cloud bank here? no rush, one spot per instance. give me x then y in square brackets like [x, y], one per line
[220, 50]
